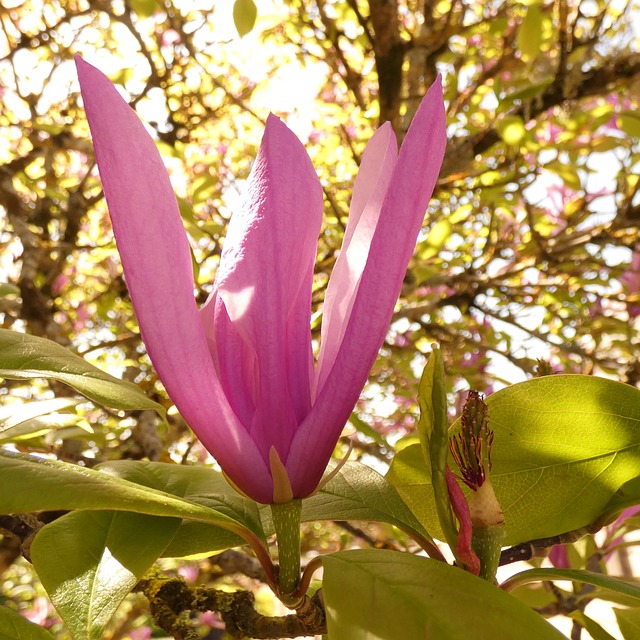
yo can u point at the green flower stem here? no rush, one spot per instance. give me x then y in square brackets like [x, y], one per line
[286, 521]
[487, 544]
[487, 521]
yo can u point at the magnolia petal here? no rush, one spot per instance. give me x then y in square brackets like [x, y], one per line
[157, 264]
[412, 183]
[369, 191]
[234, 360]
[265, 279]
[463, 551]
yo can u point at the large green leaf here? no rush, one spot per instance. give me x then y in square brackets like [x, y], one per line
[629, 623]
[25, 357]
[357, 492]
[88, 561]
[388, 595]
[200, 485]
[564, 446]
[31, 484]
[13, 626]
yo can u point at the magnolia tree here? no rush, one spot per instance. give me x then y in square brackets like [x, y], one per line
[253, 431]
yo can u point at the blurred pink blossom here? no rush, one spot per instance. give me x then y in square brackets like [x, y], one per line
[169, 37]
[189, 573]
[142, 633]
[59, 283]
[631, 282]
[211, 620]
[549, 133]
[41, 612]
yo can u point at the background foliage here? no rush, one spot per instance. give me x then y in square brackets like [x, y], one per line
[530, 247]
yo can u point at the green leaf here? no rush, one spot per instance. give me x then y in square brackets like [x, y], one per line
[596, 631]
[629, 122]
[33, 484]
[244, 16]
[7, 289]
[197, 539]
[13, 626]
[563, 447]
[366, 430]
[144, 8]
[433, 430]
[569, 174]
[201, 485]
[26, 357]
[575, 575]
[357, 492]
[530, 33]
[17, 420]
[629, 623]
[88, 561]
[439, 233]
[627, 496]
[410, 474]
[394, 595]
[511, 129]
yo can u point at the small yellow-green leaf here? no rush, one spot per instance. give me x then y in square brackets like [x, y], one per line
[144, 8]
[629, 122]
[511, 130]
[530, 33]
[438, 235]
[244, 16]
[8, 290]
[569, 174]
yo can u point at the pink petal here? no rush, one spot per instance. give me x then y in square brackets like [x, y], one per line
[369, 191]
[262, 295]
[157, 263]
[412, 183]
[463, 551]
[559, 557]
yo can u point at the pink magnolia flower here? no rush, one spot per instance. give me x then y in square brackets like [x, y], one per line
[240, 369]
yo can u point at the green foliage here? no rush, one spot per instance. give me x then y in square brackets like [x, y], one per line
[28, 357]
[13, 626]
[563, 447]
[35, 418]
[424, 598]
[629, 621]
[99, 557]
[33, 484]
[357, 492]
[588, 577]
[433, 429]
